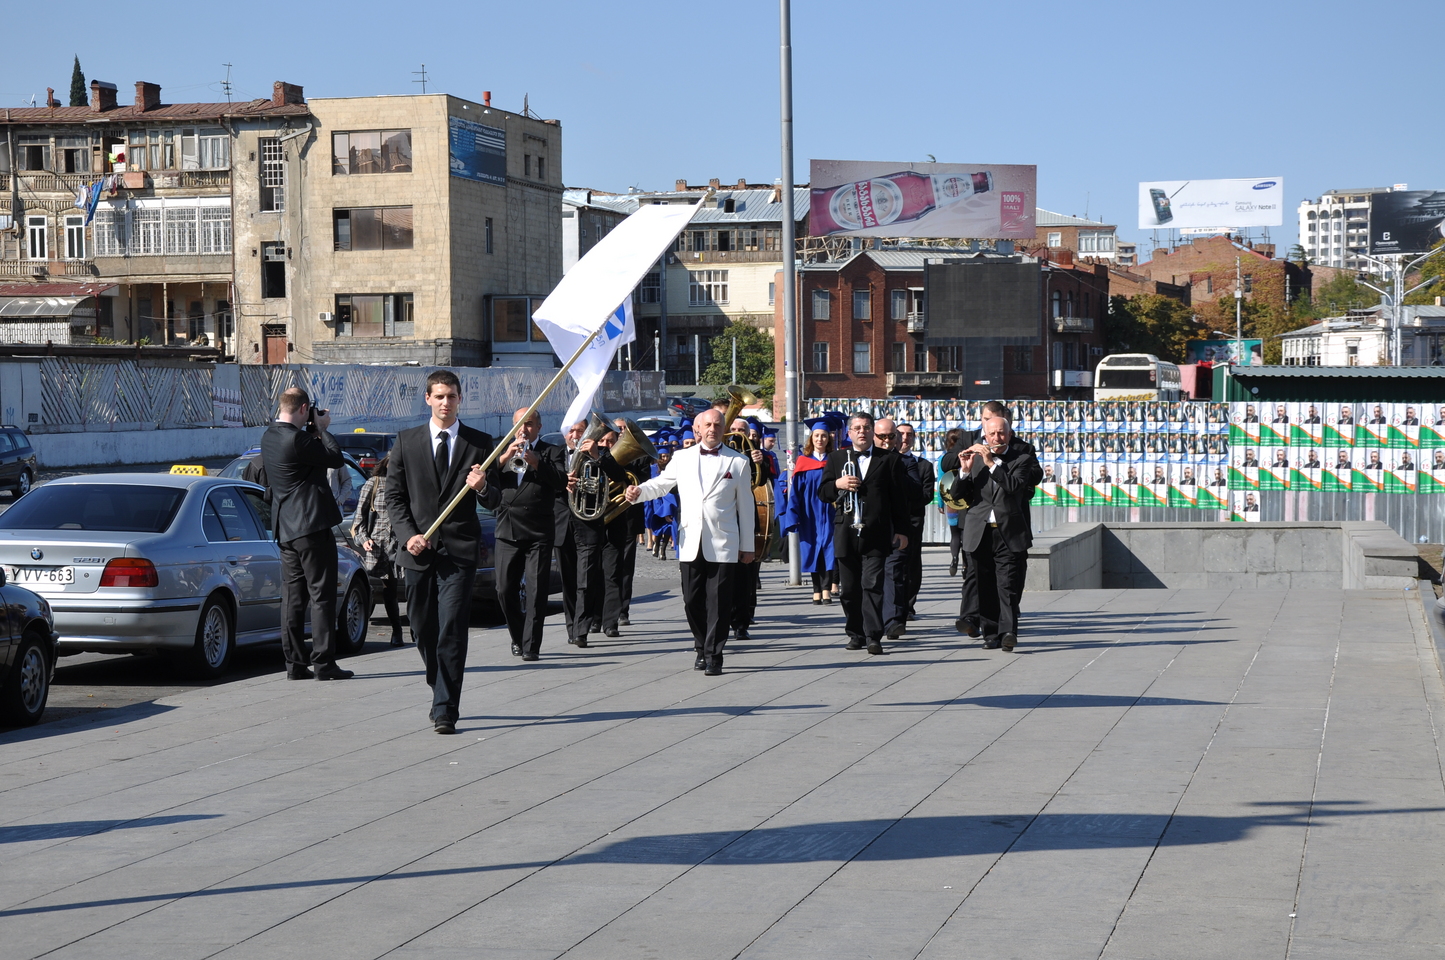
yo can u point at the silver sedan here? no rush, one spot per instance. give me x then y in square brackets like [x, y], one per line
[134, 562]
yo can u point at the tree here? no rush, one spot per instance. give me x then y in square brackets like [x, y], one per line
[1298, 255]
[755, 357]
[79, 95]
[1150, 323]
[1433, 272]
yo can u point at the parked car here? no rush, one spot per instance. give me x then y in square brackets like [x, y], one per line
[368, 448]
[164, 562]
[17, 461]
[28, 653]
[652, 423]
[358, 476]
[689, 407]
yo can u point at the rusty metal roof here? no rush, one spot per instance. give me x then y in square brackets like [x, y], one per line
[130, 113]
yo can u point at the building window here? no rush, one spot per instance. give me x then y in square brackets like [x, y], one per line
[650, 289]
[372, 228]
[748, 240]
[1058, 304]
[37, 239]
[725, 240]
[34, 153]
[487, 230]
[147, 238]
[181, 229]
[1096, 241]
[374, 315]
[773, 238]
[950, 359]
[210, 149]
[920, 357]
[822, 305]
[273, 175]
[1023, 359]
[898, 304]
[370, 151]
[74, 154]
[900, 357]
[772, 294]
[75, 238]
[862, 305]
[527, 165]
[862, 357]
[1056, 239]
[541, 168]
[273, 271]
[820, 357]
[112, 235]
[707, 287]
[215, 229]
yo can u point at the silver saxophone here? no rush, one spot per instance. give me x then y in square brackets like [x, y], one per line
[852, 503]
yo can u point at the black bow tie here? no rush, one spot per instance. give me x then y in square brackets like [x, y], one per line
[715, 451]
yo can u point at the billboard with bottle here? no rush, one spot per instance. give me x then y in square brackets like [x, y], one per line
[949, 200]
[1178, 204]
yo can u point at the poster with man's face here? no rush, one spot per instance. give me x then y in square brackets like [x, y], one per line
[1184, 484]
[1373, 428]
[1340, 424]
[1338, 473]
[1244, 424]
[1405, 426]
[1155, 490]
[1244, 467]
[1307, 426]
[1308, 468]
[1245, 507]
[1432, 472]
[1274, 468]
[1369, 473]
[1402, 471]
[1214, 490]
[1432, 425]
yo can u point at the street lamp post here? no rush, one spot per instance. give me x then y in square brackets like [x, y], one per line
[1395, 265]
[790, 315]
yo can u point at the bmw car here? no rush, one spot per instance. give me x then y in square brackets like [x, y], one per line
[162, 562]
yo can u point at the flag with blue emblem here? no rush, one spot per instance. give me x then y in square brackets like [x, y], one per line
[594, 288]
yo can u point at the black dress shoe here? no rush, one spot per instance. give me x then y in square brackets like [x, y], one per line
[516, 649]
[953, 569]
[714, 666]
[612, 632]
[396, 640]
[854, 643]
[529, 657]
[297, 671]
[991, 644]
[700, 663]
[896, 630]
[624, 621]
[741, 635]
[1008, 641]
[875, 647]
[444, 726]
[580, 641]
[967, 625]
[330, 671]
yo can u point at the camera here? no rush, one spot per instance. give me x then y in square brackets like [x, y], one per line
[311, 414]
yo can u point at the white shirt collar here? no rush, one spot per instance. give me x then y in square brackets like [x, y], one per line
[436, 431]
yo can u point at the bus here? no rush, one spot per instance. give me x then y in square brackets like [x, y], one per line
[1136, 376]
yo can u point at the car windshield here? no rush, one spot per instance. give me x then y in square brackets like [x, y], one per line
[128, 508]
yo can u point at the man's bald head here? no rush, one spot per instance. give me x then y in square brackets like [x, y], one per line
[520, 415]
[528, 427]
[739, 426]
[996, 431]
[708, 427]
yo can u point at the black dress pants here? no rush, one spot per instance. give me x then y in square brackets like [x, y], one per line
[438, 604]
[587, 543]
[903, 576]
[862, 581]
[745, 594]
[308, 574]
[567, 564]
[707, 594]
[998, 576]
[522, 574]
[619, 552]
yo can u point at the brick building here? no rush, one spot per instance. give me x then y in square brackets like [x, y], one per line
[1207, 267]
[1126, 283]
[863, 329]
[1084, 238]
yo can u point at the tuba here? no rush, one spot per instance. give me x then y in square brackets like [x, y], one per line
[739, 397]
[631, 445]
[945, 492]
[588, 501]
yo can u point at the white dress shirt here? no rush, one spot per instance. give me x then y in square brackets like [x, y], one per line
[451, 433]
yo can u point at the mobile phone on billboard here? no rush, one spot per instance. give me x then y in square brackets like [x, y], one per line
[1161, 205]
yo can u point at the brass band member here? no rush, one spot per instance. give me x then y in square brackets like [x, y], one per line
[529, 476]
[745, 587]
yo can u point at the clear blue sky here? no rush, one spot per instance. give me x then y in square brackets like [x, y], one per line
[1098, 95]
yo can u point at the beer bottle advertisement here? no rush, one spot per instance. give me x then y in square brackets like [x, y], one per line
[895, 199]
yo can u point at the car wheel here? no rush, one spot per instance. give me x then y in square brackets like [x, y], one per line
[22, 486]
[354, 618]
[27, 687]
[215, 640]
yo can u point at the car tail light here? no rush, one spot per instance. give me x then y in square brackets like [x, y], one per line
[366, 463]
[129, 572]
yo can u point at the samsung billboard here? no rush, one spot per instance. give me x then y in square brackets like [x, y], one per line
[1181, 204]
[1406, 221]
[948, 200]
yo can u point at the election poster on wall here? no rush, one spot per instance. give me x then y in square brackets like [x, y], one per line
[1180, 204]
[895, 199]
[1406, 221]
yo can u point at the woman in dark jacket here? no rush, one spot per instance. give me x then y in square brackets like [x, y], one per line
[371, 531]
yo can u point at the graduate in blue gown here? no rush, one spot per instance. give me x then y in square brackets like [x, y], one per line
[805, 511]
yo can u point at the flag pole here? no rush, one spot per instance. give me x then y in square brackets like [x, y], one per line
[502, 444]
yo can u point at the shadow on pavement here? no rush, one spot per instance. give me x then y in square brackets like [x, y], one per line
[86, 828]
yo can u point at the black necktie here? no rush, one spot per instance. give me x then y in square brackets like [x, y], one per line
[443, 457]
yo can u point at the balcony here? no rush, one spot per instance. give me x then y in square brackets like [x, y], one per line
[919, 381]
[917, 321]
[1073, 324]
[47, 268]
[690, 257]
[37, 182]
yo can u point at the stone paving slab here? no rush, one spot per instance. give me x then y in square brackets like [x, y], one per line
[1153, 773]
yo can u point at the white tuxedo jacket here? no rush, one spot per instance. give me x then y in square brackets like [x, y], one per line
[715, 495]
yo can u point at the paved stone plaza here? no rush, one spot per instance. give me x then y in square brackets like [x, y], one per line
[1153, 774]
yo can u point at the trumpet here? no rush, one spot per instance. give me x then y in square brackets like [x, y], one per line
[851, 502]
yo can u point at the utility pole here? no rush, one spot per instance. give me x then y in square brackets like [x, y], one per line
[657, 352]
[696, 359]
[735, 360]
[790, 295]
[1238, 314]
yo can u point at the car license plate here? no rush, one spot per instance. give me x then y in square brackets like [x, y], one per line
[40, 575]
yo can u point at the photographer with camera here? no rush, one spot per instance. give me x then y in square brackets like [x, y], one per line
[297, 452]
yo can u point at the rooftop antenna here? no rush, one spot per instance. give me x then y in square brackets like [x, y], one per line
[525, 110]
[422, 74]
[226, 83]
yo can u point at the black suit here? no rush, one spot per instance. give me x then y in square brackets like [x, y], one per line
[618, 559]
[904, 569]
[748, 576]
[439, 582]
[526, 527]
[997, 547]
[862, 556]
[303, 512]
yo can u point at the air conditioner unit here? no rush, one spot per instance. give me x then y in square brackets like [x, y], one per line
[326, 317]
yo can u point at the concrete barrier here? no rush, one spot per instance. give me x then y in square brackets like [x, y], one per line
[1349, 555]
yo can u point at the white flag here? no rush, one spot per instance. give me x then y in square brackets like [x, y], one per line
[590, 293]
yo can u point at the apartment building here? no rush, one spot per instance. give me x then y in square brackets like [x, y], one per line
[1335, 227]
[371, 229]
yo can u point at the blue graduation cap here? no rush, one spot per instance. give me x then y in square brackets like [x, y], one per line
[687, 435]
[767, 431]
[830, 421]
